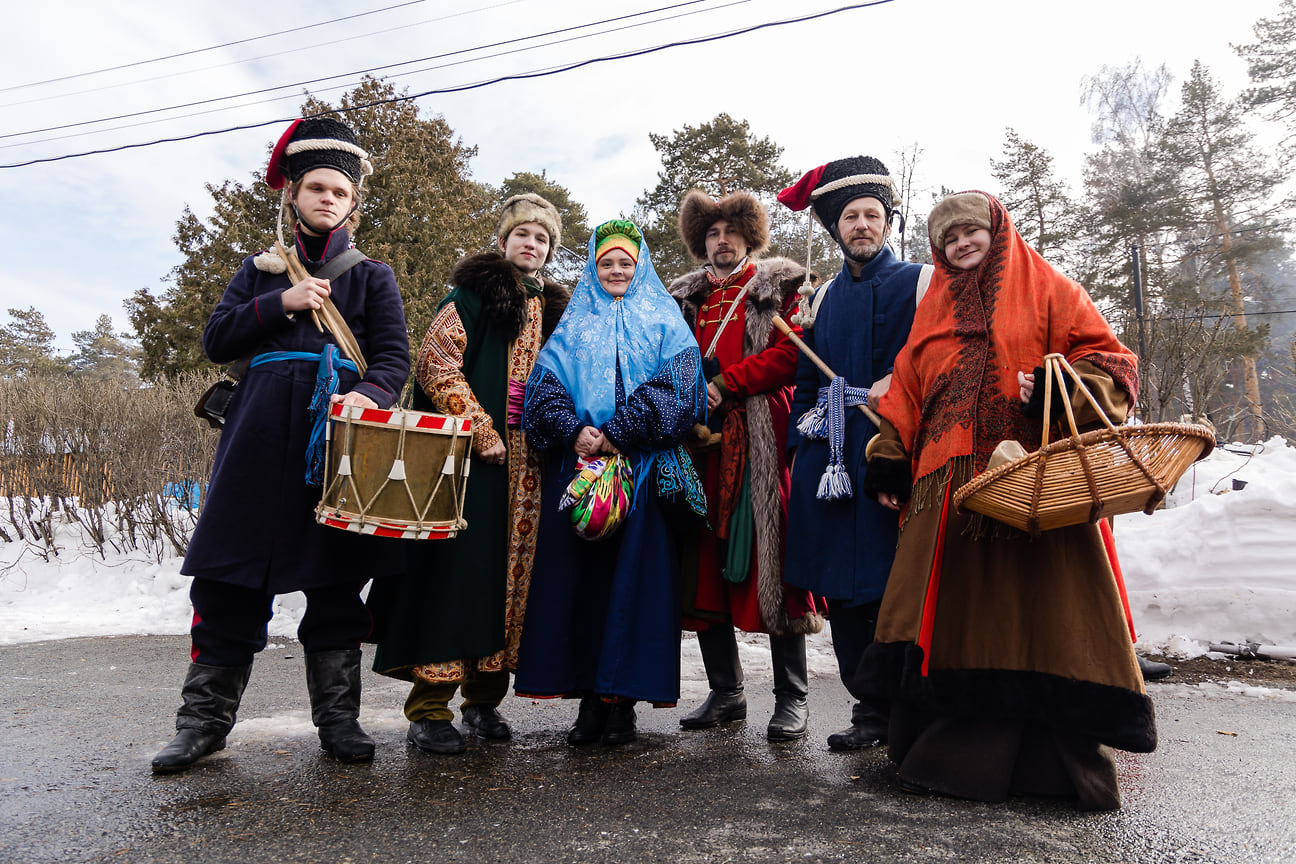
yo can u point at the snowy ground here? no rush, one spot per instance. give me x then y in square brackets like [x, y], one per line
[1217, 565]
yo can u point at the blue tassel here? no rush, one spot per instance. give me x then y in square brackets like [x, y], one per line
[326, 384]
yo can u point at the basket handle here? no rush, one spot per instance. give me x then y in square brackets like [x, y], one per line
[1054, 364]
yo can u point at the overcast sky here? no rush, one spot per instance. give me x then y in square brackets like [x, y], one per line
[80, 235]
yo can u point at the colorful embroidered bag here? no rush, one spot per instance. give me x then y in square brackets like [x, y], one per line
[600, 496]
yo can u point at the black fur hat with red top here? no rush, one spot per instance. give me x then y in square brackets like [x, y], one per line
[317, 142]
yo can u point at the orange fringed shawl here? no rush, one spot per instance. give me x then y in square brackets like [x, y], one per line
[954, 393]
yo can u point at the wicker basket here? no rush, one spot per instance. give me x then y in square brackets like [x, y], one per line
[1089, 476]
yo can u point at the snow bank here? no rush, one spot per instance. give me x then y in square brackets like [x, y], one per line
[1219, 563]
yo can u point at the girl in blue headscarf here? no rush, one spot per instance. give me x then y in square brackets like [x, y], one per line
[620, 374]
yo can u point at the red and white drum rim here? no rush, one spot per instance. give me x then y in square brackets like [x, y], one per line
[396, 417]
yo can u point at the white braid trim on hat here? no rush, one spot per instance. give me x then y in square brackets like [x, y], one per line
[853, 180]
[324, 144]
[366, 167]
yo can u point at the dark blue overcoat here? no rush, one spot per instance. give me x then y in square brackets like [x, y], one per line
[604, 617]
[843, 549]
[257, 528]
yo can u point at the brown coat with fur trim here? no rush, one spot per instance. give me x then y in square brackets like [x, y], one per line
[770, 291]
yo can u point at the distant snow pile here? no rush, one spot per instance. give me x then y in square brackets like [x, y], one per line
[1219, 563]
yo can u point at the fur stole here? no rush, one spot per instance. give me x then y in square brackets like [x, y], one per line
[504, 297]
[775, 281]
[768, 292]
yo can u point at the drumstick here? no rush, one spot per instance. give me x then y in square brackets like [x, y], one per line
[332, 319]
[296, 272]
[782, 327]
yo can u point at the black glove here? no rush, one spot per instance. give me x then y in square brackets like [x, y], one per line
[888, 477]
[710, 367]
[1035, 407]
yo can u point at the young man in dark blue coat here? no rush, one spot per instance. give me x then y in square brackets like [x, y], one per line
[840, 541]
[257, 535]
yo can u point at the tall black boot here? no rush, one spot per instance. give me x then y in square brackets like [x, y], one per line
[211, 697]
[726, 701]
[591, 720]
[791, 686]
[333, 679]
[868, 729]
[621, 721]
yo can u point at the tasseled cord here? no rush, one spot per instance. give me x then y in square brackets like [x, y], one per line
[828, 419]
[804, 314]
[326, 384]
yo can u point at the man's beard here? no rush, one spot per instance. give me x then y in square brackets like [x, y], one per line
[862, 250]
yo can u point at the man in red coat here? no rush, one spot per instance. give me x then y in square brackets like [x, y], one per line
[733, 574]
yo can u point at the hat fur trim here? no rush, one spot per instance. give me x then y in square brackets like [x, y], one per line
[530, 207]
[961, 208]
[699, 211]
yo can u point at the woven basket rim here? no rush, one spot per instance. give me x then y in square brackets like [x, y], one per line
[1085, 439]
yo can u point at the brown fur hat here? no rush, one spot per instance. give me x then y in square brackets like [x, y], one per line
[699, 211]
[961, 208]
[530, 207]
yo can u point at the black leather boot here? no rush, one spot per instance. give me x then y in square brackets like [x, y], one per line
[621, 721]
[333, 679]
[1152, 670]
[591, 720]
[726, 701]
[791, 686]
[868, 729]
[211, 697]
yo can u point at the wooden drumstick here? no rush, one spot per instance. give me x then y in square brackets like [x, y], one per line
[296, 273]
[782, 327]
[332, 318]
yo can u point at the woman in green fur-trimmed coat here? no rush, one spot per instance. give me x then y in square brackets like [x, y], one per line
[453, 620]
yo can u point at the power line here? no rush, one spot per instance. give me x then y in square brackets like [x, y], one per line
[362, 72]
[369, 71]
[298, 49]
[467, 87]
[1221, 315]
[208, 48]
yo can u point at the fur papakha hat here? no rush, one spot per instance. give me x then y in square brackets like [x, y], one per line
[530, 207]
[317, 142]
[699, 211]
[829, 188]
[961, 208]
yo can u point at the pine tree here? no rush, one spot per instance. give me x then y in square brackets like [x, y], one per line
[27, 346]
[719, 157]
[1040, 203]
[101, 353]
[1271, 63]
[1227, 192]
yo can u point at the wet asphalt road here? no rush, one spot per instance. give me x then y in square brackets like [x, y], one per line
[80, 720]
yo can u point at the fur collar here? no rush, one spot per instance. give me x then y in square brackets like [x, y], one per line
[499, 284]
[774, 281]
[768, 291]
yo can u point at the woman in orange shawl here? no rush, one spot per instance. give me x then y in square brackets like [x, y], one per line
[1009, 664]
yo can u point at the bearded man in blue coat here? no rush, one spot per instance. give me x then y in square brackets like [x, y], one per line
[841, 542]
[257, 535]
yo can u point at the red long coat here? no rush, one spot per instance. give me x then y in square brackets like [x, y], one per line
[757, 373]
